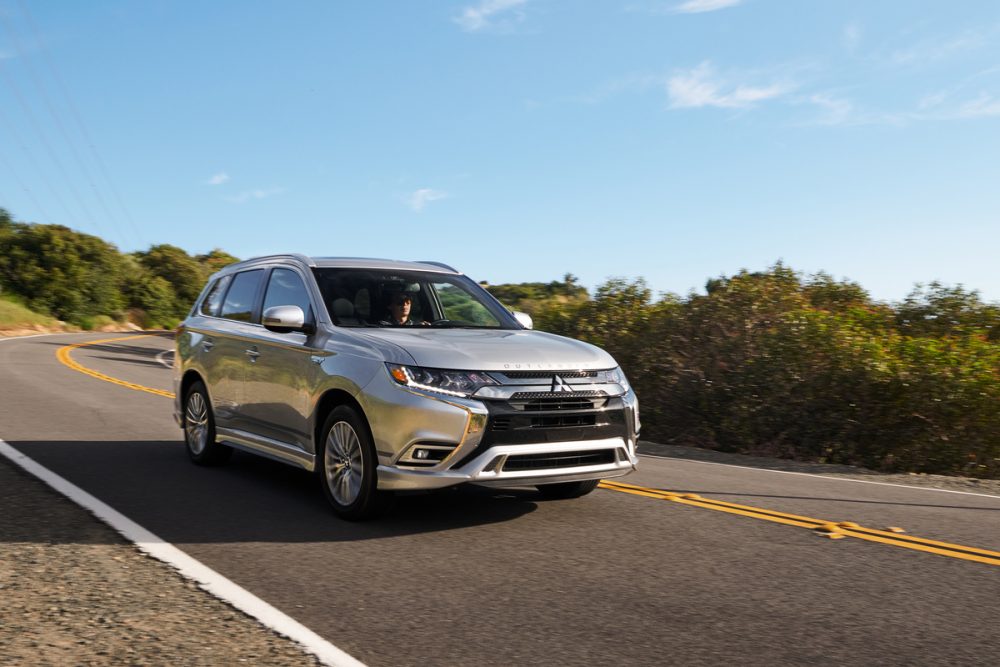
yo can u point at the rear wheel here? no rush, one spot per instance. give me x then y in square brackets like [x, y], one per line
[199, 428]
[347, 467]
[568, 489]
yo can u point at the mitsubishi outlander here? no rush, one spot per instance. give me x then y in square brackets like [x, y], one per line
[384, 376]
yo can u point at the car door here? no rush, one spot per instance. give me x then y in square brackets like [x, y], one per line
[281, 375]
[233, 334]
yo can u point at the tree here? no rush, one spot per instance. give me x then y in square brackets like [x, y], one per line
[183, 272]
[214, 261]
[60, 272]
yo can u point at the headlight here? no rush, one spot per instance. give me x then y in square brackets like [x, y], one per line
[451, 383]
[617, 375]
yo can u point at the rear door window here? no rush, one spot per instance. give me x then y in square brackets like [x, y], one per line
[242, 296]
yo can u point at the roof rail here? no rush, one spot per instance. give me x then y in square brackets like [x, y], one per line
[441, 265]
[290, 255]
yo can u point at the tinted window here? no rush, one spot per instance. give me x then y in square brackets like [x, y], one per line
[210, 306]
[458, 305]
[285, 288]
[240, 299]
[362, 298]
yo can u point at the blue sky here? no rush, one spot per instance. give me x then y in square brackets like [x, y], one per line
[519, 139]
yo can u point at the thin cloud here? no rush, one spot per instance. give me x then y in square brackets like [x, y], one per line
[984, 106]
[852, 37]
[836, 110]
[930, 51]
[424, 196]
[249, 195]
[701, 6]
[702, 87]
[490, 13]
[218, 179]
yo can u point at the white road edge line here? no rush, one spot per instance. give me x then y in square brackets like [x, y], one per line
[809, 474]
[206, 578]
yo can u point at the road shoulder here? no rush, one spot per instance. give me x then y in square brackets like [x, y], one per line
[76, 592]
[834, 471]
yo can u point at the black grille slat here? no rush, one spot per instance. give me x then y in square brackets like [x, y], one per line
[542, 401]
[560, 460]
[500, 424]
[563, 421]
[547, 375]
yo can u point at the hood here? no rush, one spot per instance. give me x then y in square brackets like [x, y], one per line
[491, 349]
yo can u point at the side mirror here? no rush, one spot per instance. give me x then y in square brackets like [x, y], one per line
[524, 319]
[286, 319]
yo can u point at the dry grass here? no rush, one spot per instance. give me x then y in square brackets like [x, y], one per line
[14, 316]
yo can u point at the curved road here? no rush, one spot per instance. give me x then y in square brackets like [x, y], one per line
[477, 576]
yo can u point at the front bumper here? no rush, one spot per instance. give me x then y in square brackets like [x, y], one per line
[488, 468]
[494, 442]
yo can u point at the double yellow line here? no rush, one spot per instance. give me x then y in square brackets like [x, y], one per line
[823, 527]
[63, 355]
[831, 529]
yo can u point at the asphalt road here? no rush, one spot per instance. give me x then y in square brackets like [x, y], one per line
[477, 576]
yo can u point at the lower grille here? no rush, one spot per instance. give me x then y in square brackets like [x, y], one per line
[558, 460]
[562, 421]
[529, 401]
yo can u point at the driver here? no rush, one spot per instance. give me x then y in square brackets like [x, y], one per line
[398, 311]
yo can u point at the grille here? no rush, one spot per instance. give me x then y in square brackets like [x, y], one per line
[547, 375]
[563, 421]
[540, 401]
[500, 424]
[560, 460]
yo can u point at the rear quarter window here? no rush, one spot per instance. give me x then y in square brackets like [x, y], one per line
[213, 301]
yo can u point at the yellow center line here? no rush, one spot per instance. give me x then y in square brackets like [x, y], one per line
[842, 528]
[63, 355]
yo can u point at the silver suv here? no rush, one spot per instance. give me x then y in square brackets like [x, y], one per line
[384, 376]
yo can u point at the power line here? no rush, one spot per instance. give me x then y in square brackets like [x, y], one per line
[48, 149]
[46, 218]
[74, 113]
[11, 29]
[53, 192]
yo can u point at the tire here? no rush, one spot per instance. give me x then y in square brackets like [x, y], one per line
[347, 467]
[199, 429]
[565, 490]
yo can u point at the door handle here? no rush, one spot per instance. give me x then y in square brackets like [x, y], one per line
[207, 345]
[253, 353]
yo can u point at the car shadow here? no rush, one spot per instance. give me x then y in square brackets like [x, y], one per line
[249, 499]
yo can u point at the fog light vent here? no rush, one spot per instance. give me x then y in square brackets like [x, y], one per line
[426, 454]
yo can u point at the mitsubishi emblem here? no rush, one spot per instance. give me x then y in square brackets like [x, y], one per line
[558, 384]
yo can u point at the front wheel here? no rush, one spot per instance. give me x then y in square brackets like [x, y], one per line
[199, 429]
[567, 489]
[347, 467]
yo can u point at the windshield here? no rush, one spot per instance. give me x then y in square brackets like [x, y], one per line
[381, 298]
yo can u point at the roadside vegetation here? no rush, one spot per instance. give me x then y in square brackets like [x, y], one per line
[772, 363]
[14, 316]
[775, 363]
[86, 282]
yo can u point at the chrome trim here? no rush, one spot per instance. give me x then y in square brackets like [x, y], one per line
[484, 469]
[506, 391]
[257, 444]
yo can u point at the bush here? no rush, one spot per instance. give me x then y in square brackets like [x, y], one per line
[775, 364]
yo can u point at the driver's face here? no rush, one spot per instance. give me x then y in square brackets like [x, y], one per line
[400, 308]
